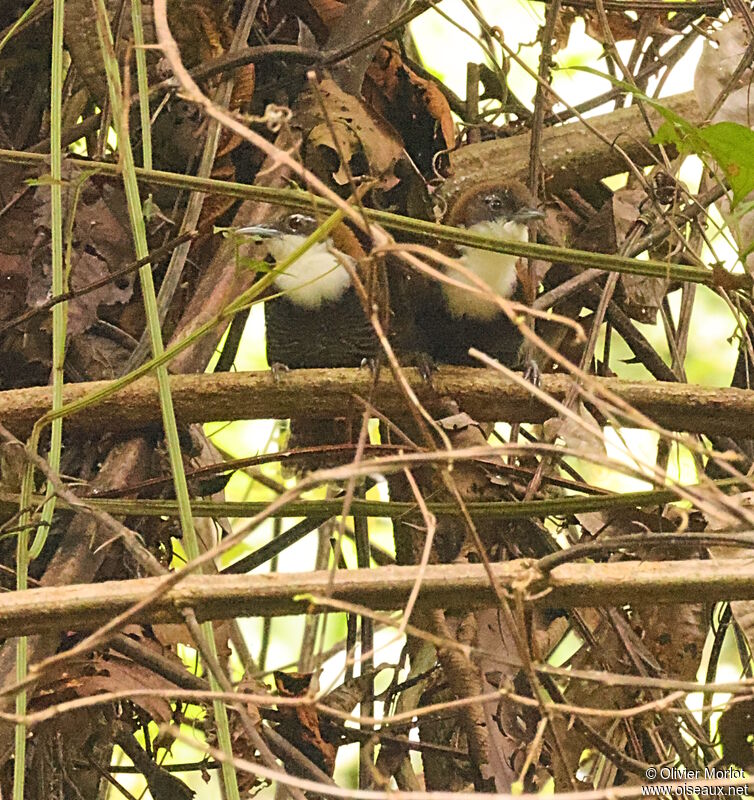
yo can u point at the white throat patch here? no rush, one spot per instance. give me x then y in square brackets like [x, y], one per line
[497, 270]
[315, 278]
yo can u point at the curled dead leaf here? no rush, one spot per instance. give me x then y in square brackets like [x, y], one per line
[410, 102]
[353, 134]
[300, 724]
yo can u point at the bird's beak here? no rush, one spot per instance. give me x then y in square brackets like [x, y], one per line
[526, 215]
[262, 231]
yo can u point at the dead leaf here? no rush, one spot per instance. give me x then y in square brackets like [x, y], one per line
[171, 634]
[410, 103]
[318, 16]
[622, 27]
[547, 633]
[300, 724]
[101, 244]
[676, 640]
[116, 674]
[640, 296]
[94, 357]
[562, 32]
[586, 438]
[16, 241]
[720, 59]
[369, 145]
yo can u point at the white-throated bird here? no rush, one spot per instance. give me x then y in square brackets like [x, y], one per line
[318, 320]
[456, 318]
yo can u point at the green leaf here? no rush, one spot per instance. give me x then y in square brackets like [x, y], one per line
[683, 135]
[44, 180]
[255, 264]
[729, 144]
[732, 146]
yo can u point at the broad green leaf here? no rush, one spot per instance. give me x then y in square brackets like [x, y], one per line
[729, 144]
[732, 146]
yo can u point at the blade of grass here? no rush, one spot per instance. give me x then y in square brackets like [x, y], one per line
[19, 22]
[136, 216]
[59, 316]
[142, 83]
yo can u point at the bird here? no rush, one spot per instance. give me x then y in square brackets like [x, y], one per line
[456, 319]
[317, 320]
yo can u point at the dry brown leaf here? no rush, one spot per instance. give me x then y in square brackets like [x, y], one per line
[16, 241]
[622, 27]
[676, 640]
[318, 16]
[117, 674]
[598, 232]
[547, 633]
[609, 654]
[199, 26]
[639, 296]
[508, 724]
[329, 11]
[94, 357]
[300, 724]
[113, 673]
[101, 245]
[562, 32]
[626, 209]
[244, 83]
[410, 103]
[578, 437]
[170, 634]
[369, 145]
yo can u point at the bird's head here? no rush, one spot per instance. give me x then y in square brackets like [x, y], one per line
[508, 201]
[296, 224]
[498, 209]
[315, 276]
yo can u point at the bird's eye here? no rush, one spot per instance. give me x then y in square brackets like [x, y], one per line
[296, 222]
[493, 202]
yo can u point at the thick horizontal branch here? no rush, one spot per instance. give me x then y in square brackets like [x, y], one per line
[484, 394]
[455, 587]
[573, 155]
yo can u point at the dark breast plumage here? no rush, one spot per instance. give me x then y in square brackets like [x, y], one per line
[317, 320]
[337, 334]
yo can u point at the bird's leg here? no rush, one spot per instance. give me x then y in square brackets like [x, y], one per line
[532, 372]
[421, 361]
[372, 363]
[426, 366]
[278, 369]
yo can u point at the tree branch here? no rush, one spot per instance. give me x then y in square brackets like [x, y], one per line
[322, 394]
[572, 156]
[455, 587]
